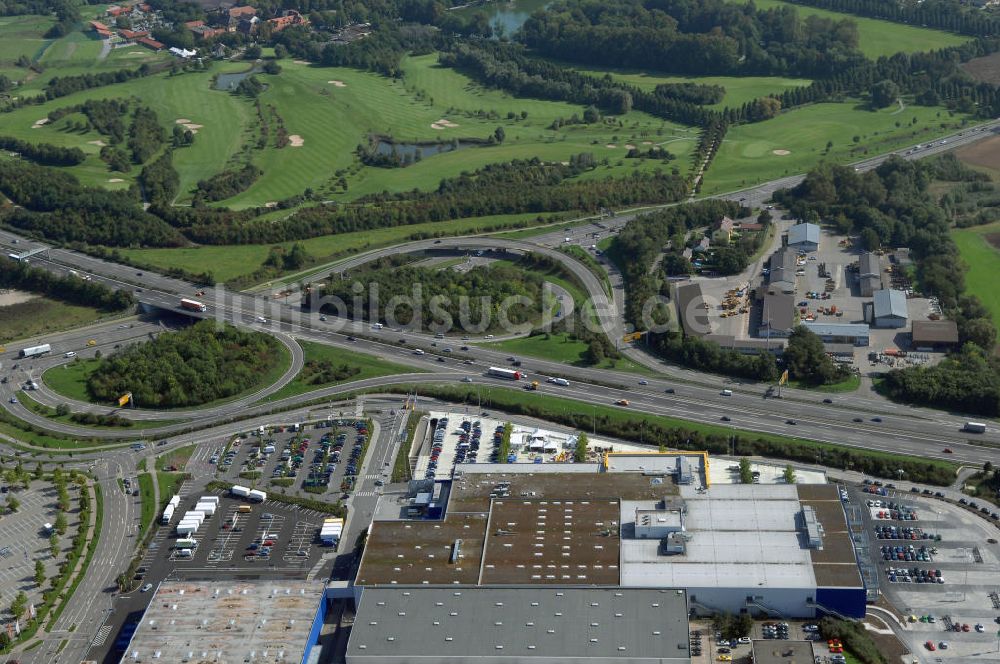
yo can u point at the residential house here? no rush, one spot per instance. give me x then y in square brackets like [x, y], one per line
[101, 30]
[289, 18]
[723, 229]
[150, 43]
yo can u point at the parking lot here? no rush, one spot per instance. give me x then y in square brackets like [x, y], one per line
[24, 539]
[455, 439]
[940, 570]
[319, 459]
[241, 536]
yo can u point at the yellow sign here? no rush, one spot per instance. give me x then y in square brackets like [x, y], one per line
[124, 399]
[784, 377]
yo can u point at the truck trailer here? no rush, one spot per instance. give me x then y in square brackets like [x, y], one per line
[509, 374]
[974, 427]
[175, 500]
[257, 496]
[168, 513]
[207, 508]
[209, 499]
[193, 305]
[36, 351]
[240, 491]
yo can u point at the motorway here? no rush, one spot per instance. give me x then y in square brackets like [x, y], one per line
[696, 397]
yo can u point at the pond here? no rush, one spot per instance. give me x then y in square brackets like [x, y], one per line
[506, 18]
[229, 81]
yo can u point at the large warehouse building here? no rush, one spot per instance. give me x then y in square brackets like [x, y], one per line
[524, 624]
[637, 521]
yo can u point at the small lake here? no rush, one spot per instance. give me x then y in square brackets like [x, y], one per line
[409, 150]
[229, 81]
[506, 18]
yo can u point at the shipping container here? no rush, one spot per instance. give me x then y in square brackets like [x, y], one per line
[207, 508]
[240, 491]
[209, 499]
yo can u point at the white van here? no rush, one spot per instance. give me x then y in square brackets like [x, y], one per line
[726, 393]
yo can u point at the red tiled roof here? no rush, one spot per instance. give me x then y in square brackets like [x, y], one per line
[133, 34]
[151, 43]
[246, 10]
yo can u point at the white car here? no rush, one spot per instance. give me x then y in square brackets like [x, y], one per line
[261, 319]
[418, 352]
[146, 588]
[69, 353]
[744, 639]
[467, 379]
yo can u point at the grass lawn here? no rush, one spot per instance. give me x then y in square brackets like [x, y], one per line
[149, 507]
[747, 155]
[50, 413]
[70, 380]
[560, 348]
[231, 261]
[370, 367]
[982, 259]
[42, 315]
[739, 89]
[169, 485]
[879, 38]
[588, 259]
[178, 457]
[849, 384]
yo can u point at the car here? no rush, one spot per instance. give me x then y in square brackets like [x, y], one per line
[744, 639]
[621, 402]
[725, 418]
[467, 379]
[146, 588]
[724, 650]
[966, 628]
[980, 628]
[379, 482]
[669, 390]
[991, 540]
[69, 353]
[827, 400]
[323, 318]
[724, 658]
[876, 419]
[792, 422]
[267, 516]
[440, 359]
[351, 339]
[418, 352]
[13, 399]
[446, 350]
[644, 382]
[464, 348]
[857, 419]
[943, 645]
[947, 450]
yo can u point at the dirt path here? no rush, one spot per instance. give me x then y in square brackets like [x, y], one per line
[105, 50]
[902, 107]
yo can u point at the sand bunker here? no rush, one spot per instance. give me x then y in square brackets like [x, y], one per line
[192, 126]
[271, 204]
[629, 146]
[337, 84]
[116, 180]
[647, 142]
[98, 143]
[181, 121]
[435, 125]
[781, 153]
[302, 62]
[611, 146]
[444, 124]
[39, 123]
[295, 141]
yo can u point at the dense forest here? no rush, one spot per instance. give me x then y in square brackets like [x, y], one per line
[693, 37]
[442, 300]
[71, 289]
[892, 207]
[190, 367]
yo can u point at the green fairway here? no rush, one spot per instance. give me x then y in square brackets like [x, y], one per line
[982, 259]
[368, 367]
[754, 153]
[739, 89]
[22, 36]
[230, 261]
[878, 38]
[560, 348]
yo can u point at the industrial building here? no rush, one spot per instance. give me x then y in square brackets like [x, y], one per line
[804, 237]
[869, 274]
[523, 624]
[778, 316]
[855, 334]
[782, 268]
[230, 621]
[692, 310]
[633, 521]
[934, 335]
[769, 651]
[889, 309]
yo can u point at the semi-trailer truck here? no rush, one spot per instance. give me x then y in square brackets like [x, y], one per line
[240, 491]
[36, 351]
[974, 427]
[509, 374]
[193, 305]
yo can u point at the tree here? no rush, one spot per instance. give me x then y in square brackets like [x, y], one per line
[39, 572]
[252, 53]
[280, 52]
[591, 115]
[884, 93]
[988, 467]
[789, 474]
[54, 544]
[38, 471]
[806, 358]
[746, 475]
[61, 523]
[13, 504]
[499, 135]
[580, 452]
[19, 604]
[870, 239]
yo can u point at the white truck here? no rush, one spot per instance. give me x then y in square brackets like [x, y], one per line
[36, 351]
[209, 499]
[257, 496]
[500, 372]
[240, 491]
[186, 528]
[168, 513]
[974, 427]
[175, 501]
[185, 553]
[207, 508]
[186, 543]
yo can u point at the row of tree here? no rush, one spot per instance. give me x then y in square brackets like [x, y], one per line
[226, 184]
[43, 153]
[72, 289]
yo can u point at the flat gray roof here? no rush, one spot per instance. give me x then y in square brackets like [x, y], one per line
[869, 265]
[693, 316]
[415, 623]
[890, 303]
[782, 652]
[227, 621]
[779, 311]
[839, 329]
